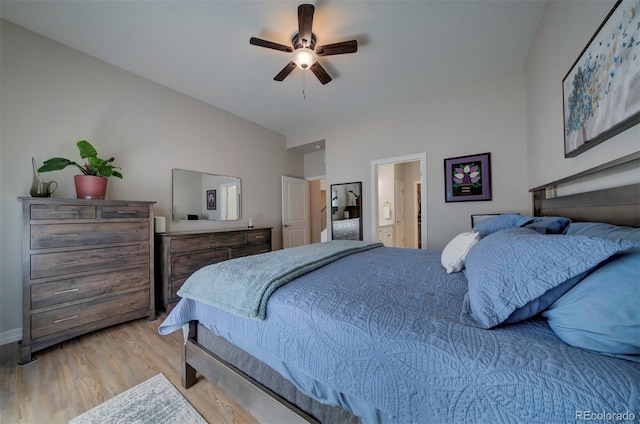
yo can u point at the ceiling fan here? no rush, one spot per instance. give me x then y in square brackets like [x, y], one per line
[305, 54]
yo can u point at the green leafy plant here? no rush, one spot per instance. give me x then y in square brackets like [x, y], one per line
[93, 165]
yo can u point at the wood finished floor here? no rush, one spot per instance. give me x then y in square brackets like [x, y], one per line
[73, 377]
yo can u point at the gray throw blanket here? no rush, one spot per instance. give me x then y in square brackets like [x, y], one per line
[242, 286]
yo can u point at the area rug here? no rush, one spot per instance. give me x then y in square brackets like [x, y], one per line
[151, 402]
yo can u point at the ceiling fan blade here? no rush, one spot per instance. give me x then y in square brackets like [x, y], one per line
[319, 72]
[338, 48]
[285, 71]
[269, 44]
[305, 23]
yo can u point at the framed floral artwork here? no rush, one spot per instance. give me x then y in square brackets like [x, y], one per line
[601, 90]
[468, 178]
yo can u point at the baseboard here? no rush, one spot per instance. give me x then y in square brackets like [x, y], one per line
[10, 336]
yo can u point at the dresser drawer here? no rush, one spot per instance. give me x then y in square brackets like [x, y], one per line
[63, 212]
[58, 292]
[190, 244]
[67, 235]
[208, 241]
[116, 212]
[175, 286]
[250, 249]
[259, 236]
[58, 320]
[54, 264]
[185, 265]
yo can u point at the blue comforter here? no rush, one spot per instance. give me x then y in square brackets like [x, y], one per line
[243, 286]
[380, 333]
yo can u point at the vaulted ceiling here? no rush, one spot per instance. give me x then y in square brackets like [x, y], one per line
[406, 49]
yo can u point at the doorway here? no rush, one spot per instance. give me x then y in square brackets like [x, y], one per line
[318, 209]
[304, 211]
[398, 217]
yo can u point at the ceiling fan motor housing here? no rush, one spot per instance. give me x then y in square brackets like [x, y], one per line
[298, 43]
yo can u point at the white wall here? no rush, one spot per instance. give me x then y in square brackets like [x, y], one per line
[53, 96]
[565, 29]
[485, 116]
[314, 164]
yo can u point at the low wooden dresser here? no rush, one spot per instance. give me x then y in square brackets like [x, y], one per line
[87, 264]
[180, 254]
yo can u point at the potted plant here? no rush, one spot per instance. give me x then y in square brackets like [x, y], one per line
[92, 183]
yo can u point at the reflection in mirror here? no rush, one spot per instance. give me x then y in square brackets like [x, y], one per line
[201, 196]
[346, 211]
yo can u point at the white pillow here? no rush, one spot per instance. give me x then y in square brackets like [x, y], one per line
[456, 250]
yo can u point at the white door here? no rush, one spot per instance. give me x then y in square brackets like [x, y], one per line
[399, 214]
[229, 206]
[295, 212]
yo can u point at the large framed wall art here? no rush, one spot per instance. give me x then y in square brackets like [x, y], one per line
[601, 92]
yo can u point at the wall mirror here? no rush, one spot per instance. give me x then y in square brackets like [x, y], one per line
[201, 196]
[346, 211]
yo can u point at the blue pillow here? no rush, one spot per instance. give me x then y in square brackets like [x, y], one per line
[501, 222]
[549, 224]
[540, 304]
[600, 229]
[510, 269]
[602, 313]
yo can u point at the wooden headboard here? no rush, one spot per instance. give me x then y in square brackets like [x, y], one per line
[617, 205]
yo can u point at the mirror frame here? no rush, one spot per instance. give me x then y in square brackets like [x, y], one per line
[343, 217]
[204, 193]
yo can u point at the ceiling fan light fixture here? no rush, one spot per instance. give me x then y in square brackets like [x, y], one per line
[304, 52]
[304, 58]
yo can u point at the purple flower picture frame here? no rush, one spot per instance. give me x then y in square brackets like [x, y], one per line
[468, 178]
[211, 200]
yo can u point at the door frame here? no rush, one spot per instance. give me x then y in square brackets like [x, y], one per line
[416, 206]
[398, 218]
[418, 157]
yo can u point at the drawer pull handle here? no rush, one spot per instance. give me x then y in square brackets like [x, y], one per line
[75, 212]
[128, 212]
[66, 235]
[259, 237]
[66, 291]
[128, 232]
[66, 263]
[66, 319]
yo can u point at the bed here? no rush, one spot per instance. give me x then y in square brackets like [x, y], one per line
[384, 334]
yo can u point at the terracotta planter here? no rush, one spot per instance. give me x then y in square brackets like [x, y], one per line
[90, 186]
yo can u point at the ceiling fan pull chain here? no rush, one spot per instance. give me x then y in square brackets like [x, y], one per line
[304, 95]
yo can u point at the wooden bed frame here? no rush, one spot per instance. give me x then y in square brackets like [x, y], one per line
[264, 404]
[618, 206]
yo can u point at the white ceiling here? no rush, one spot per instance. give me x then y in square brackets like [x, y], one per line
[201, 48]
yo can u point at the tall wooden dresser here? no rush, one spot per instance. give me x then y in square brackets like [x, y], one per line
[180, 254]
[87, 264]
